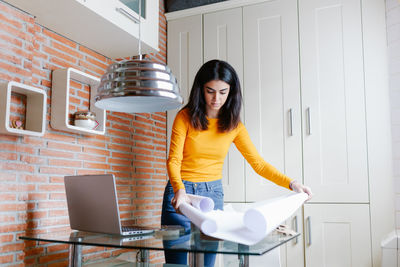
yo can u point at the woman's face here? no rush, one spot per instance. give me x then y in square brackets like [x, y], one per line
[215, 93]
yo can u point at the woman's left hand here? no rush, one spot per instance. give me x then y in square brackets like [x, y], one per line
[300, 188]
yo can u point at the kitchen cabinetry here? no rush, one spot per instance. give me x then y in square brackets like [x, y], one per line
[337, 235]
[311, 108]
[108, 27]
[222, 30]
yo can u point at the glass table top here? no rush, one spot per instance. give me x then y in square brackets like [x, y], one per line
[171, 240]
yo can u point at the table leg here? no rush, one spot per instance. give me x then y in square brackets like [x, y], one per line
[196, 259]
[75, 255]
[144, 256]
[243, 260]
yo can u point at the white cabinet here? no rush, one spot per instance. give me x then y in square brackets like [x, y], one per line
[292, 255]
[106, 26]
[272, 92]
[222, 30]
[332, 93]
[185, 57]
[330, 126]
[339, 235]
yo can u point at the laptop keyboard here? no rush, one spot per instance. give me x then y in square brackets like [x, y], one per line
[130, 229]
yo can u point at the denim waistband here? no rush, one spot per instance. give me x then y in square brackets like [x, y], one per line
[208, 185]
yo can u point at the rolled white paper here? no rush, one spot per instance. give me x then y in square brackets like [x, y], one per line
[205, 224]
[246, 228]
[205, 204]
[263, 219]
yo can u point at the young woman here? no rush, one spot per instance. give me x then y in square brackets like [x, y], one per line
[201, 136]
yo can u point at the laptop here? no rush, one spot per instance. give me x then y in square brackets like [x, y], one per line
[93, 205]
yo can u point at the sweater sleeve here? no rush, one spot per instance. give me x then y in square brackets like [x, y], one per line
[260, 166]
[174, 162]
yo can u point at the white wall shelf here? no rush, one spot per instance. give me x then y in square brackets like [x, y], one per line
[35, 116]
[60, 101]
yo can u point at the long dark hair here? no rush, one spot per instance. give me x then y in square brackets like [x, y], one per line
[229, 114]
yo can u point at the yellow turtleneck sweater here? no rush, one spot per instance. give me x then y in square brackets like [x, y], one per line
[198, 156]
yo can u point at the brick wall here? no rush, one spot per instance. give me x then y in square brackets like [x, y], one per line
[32, 196]
[393, 39]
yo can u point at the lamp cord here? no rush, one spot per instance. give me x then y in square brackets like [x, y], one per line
[140, 43]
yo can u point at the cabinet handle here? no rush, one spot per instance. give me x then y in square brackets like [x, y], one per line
[308, 111]
[290, 122]
[296, 228]
[309, 242]
[127, 14]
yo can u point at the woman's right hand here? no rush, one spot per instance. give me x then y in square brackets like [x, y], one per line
[179, 198]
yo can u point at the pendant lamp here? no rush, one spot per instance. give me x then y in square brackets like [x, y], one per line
[138, 85]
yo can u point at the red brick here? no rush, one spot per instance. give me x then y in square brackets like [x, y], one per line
[32, 160]
[65, 50]
[53, 221]
[7, 197]
[56, 153]
[147, 133]
[6, 259]
[119, 161]
[57, 248]
[142, 164]
[53, 257]
[141, 125]
[34, 178]
[126, 131]
[51, 188]
[96, 151]
[32, 196]
[92, 53]
[58, 213]
[91, 142]
[8, 156]
[64, 146]
[16, 167]
[63, 63]
[118, 147]
[63, 171]
[26, 149]
[11, 247]
[96, 166]
[6, 238]
[66, 163]
[122, 168]
[58, 264]
[57, 196]
[121, 155]
[59, 38]
[97, 63]
[87, 157]
[51, 204]
[35, 215]
[95, 69]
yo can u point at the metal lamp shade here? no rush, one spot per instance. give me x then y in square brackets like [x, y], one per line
[138, 85]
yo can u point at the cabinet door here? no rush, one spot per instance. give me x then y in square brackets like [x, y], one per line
[292, 254]
[271, 92]
[185, 57]
[337, 235]
[222, 40]
[332, 84]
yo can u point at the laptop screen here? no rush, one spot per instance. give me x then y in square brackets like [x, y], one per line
[92, 203]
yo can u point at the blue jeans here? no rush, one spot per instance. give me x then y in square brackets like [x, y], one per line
[169, 216]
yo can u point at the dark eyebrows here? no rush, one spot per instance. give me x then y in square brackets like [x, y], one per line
[209, 88]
